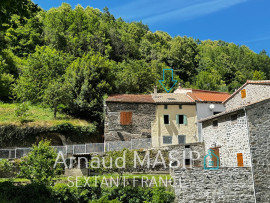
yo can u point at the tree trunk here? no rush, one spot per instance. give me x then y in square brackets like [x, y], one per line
[55, 111]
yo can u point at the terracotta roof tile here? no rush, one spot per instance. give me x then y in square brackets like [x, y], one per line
[208, 96]
[130, 98]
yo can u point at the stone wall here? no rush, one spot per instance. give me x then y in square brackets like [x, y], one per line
[254, 93]
[222, 185]
[259, 132]
[194, 151]
[142, 116]
[203, 111]
[230, 136]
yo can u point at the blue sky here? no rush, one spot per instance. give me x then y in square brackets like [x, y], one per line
[239, 21]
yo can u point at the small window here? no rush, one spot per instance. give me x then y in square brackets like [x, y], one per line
[165, 106]
[215, 123]
[180, 106]
[181, 139]
[125, 118]
[216, 112]
[234, 117]
[243, 93]
[166, 119]
[187, 162]
[187, 146]
[167, 139]
[181, 119]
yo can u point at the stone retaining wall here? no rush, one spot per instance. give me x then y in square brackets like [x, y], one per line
[222, 185]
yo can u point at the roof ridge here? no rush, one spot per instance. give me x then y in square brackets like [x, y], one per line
[210, 91]
[246, 83]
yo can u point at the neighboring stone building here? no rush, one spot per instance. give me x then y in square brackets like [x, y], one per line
[128, 116]
[240, 136]
[250, 92]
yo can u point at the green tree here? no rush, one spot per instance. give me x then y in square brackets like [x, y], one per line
[182, 57]
[89, 79]
[209, 81]
[43, 66]
[56, 94]
[38, 165]
[258, 75]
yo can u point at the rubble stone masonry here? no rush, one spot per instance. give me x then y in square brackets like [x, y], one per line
[222, 185]
[230, 136]
[142, 116]
[254, 93]
[259, 132]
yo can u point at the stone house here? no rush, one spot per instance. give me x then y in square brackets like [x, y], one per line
[252, 91]
[167, 118]
[240, 136]
[128, 116]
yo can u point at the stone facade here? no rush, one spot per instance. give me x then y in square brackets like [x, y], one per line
[230, 136]
[223, 185]
[194, 151]
[204, 111]
[142, 116]
[254, 93]
[250, 135]
[259, 132]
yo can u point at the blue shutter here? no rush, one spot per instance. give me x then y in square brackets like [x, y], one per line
[185, 119]
[177, 119]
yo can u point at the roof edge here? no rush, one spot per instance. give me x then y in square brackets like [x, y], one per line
[233, 110]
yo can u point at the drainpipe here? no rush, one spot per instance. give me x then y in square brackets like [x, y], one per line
[251, 165]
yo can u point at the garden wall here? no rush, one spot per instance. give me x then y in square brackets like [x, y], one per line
[222, 185]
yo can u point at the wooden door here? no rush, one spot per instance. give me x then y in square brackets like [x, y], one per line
[215, 159]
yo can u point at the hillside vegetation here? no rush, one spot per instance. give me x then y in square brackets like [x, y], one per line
[74, 57]
[37, 116]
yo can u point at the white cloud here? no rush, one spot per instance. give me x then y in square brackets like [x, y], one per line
[153, 11]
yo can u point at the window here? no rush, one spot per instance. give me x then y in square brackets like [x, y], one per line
[215, 123]
[243, 93]
[125, 118]
[165, 106]
[181, 119]
[187, 146]
[216, 112]
[181, 139]
[187, 162]
[166, 119]
[167, 139]
[180, 106]
[234, 117]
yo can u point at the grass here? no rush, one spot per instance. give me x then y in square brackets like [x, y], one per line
[92, 179]
[38, 116]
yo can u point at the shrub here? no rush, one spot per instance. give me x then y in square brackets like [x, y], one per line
[6, 168]
[21, 111]
[37, 166]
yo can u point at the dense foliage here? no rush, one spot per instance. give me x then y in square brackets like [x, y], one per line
[74, 57]
[62, 193]
[38, 165]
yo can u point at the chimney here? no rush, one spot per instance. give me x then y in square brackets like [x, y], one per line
[179, 85]
[155, 92]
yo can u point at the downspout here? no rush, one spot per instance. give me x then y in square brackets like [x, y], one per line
[251, 165]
